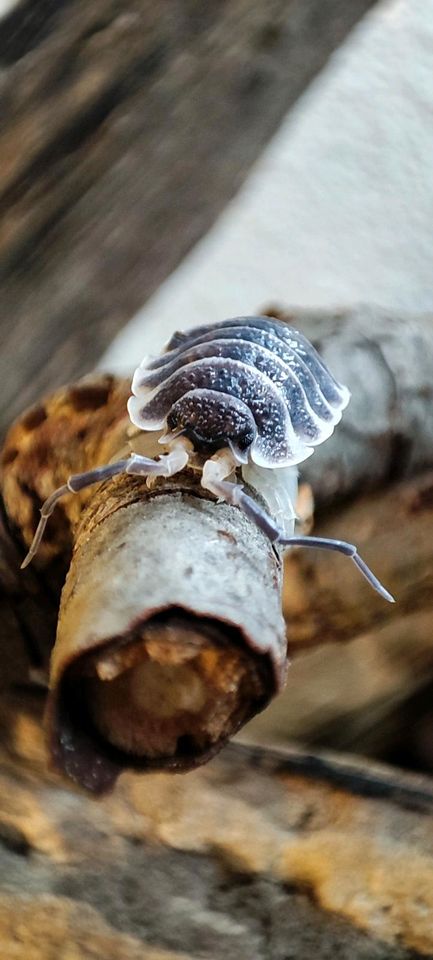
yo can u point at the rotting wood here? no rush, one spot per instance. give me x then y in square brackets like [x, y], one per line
[126, 127]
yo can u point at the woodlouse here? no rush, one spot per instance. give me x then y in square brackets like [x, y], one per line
[250, 393]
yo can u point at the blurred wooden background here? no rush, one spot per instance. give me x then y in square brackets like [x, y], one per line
[126, 127]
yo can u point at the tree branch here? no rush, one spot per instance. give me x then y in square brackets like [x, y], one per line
[170, 632]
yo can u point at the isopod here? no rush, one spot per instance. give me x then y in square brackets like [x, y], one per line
[247, 394]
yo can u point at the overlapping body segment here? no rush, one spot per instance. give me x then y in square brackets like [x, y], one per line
[334, 392]
[261, 337]
[292, 398]
[310, 427]
[276, 442]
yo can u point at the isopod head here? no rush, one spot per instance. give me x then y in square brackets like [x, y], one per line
[212, 420]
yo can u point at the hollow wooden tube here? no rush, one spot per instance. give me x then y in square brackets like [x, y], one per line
[170, 634]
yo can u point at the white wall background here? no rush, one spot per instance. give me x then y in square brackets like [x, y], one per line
[339, 209]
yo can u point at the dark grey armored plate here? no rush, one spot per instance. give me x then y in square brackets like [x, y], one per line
[333, 391]
[304, 420]
[264, 338]
[290, 400]
[276, 441]
[225, 419]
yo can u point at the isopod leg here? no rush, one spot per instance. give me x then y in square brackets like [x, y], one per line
[142, 466]
[166, 466]
[75, 483]
[46, 511]
[340, 546]
[232, 493]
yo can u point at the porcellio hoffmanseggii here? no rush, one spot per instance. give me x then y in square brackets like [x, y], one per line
[253, 397]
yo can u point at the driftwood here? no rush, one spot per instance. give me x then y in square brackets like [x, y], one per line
[260, 854]
[126, 125]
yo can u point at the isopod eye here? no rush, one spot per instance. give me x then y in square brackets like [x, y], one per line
[212, 420]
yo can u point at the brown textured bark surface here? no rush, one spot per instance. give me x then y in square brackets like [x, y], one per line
[78, 426]
[126, 127]
[63, 433]
[260, 854]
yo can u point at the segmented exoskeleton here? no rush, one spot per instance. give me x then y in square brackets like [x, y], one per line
[253, 397]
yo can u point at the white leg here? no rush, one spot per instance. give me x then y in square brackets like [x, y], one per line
[233, 494]
[167, 465]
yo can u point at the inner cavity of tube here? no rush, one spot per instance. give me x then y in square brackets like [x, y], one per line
[178, 683]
